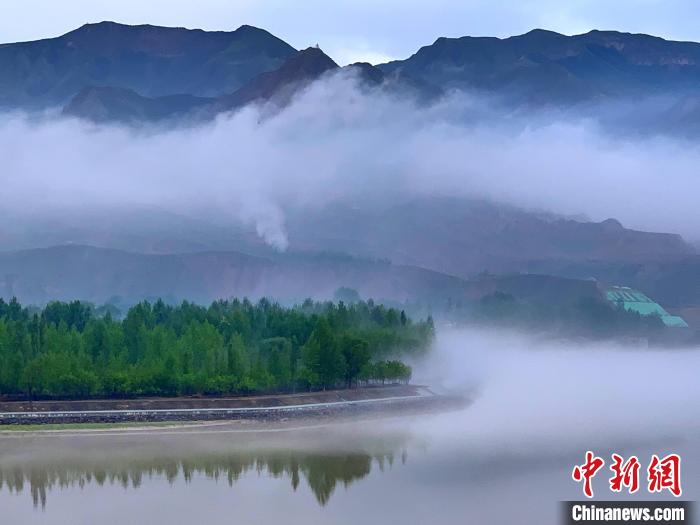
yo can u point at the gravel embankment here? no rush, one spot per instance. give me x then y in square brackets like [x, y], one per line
[338, 403]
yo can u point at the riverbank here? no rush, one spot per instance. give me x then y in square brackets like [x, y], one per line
[317, 405]
[162, 403]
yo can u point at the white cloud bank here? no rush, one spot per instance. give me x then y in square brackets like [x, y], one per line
[337, 142]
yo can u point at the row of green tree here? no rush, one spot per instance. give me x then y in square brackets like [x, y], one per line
[66, 350]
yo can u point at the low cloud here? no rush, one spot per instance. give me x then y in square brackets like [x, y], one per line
[338, 142]
[537, 397]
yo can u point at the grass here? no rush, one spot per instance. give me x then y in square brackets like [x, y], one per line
[90, 426]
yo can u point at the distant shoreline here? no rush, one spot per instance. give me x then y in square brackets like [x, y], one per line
[317, 405]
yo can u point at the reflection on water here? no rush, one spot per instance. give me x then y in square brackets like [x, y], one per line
[443, 469]
[40, 465]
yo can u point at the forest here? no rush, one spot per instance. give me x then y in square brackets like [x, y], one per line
[72, 351]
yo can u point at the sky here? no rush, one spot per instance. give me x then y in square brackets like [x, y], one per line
[352, 30]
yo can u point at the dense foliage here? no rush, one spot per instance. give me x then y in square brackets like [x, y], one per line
[67, 350]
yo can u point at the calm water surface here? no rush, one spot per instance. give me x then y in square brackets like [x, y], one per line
[365, 472]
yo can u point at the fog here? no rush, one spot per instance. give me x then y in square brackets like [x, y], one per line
[532, 395]
[338, 142]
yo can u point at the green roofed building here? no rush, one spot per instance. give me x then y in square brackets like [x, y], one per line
[635, 301]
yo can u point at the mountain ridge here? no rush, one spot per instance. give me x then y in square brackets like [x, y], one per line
[151, 60]
[537, 67]
[106, 104]
[101, 275]
[544, 66]
[103, 104]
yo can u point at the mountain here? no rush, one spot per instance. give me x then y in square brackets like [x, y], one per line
[150, 60]
[98, 275]
[539, 67]
[465, 237]
[436, 245]
[544, 67]
[103, 275]
[444, 235]
[276, 87]
[452, 235]
[395, 82]
[109, 104]
[279, 85]
[674, 282]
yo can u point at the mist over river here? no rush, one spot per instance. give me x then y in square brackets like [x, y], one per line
[506, 458]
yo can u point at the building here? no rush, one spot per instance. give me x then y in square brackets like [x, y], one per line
[635, 301]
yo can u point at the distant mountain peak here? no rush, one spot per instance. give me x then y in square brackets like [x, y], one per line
[367, 73]
[279, 85]
[541, 35]
[246, 28]
[307, 64]
[103, 23]
[153, 61]
[110, 24]
[311, 59]
[539, 31]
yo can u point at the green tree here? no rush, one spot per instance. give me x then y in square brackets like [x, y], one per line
[356, 354]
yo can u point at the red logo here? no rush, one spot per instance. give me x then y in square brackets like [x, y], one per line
[587, 472]
[626, 474]
[662, 473]
[665, 474]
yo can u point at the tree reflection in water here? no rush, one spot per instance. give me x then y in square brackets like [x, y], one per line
[40, 466]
